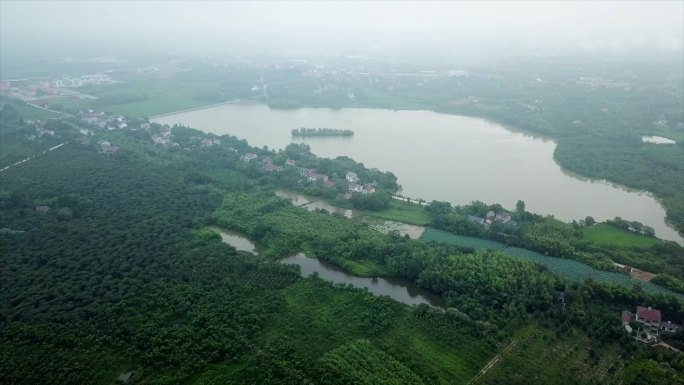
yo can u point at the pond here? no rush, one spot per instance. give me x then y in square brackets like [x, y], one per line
[312, 203]
[398, 289]
[237, 240]
[441, 157]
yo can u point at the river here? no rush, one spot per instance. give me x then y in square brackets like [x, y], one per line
[398, 289]
[441, 157]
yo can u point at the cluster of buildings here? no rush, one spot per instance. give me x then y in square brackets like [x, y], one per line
[96, 79]
[107, 148]
[492, 217]
[312, 175]
[103, 120]
[353, 185]
[164, 138]
[266, 163]
[44, 90]
[41, 131]
[650, 321]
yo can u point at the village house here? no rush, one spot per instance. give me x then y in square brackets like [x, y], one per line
[42, 209]
[503, 217]
[478, 220]
[351, 177]
[248, 157]
[290, 162]
[313, 176]
[91, 118]
[161, 140]
[368, 189]
[353, 187]
[649, 317]
[303, 171]
[267, 164]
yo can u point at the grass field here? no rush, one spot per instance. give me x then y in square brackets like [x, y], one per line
[140, 98]
[31, 112]
[605, 234]
[404, 212]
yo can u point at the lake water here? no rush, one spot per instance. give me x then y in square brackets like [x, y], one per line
[237, 240]
[441, 157]
[395, 288]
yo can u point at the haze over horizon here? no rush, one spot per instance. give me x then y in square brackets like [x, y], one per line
[465, 28]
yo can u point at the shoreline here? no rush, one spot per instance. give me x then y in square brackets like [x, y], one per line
[515, 130]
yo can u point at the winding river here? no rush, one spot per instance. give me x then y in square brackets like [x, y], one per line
[398, 289]
[441, 157]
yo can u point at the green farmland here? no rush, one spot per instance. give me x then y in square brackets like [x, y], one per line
[609, 235]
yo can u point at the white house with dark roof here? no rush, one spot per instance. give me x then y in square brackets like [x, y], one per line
[351, 177]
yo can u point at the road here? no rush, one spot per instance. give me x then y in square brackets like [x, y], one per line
[32, 157]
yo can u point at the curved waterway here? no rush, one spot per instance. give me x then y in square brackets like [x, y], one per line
[398, 289]
[312, 203]
[239, 241]
[441, 157]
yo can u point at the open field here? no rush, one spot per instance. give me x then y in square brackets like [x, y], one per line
[605, 234]
[404, 212]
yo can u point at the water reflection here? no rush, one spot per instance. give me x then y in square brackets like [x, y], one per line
[237, 240]
[398, 289]
[312, 203]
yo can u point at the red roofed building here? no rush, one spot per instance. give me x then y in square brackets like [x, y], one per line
[648, 316]
[626, 317]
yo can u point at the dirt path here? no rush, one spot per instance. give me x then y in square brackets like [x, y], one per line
[493, 362]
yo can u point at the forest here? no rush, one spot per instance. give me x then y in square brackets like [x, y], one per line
[119, 275]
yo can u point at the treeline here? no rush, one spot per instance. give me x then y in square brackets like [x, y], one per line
[304, 132]
[633, 226]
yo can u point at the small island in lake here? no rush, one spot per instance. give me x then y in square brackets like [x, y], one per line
[304, 131]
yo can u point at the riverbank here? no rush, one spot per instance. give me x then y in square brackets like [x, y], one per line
[387, 221]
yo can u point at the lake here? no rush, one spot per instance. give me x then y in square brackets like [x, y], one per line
[398, 289]
[441, 157]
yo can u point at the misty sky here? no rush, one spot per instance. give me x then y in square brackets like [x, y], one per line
[216, 26]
